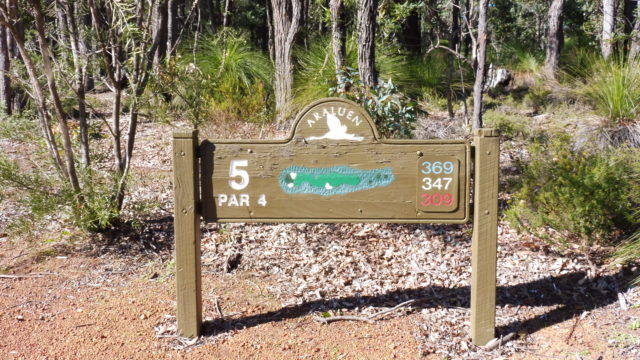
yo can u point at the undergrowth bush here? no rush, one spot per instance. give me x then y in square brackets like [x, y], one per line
[46, 196]
[574, 197]
[393, 113]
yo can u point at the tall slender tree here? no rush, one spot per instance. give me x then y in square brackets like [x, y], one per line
[454, 42]
[367, 10]
[634, 47]
[608, 27]
[286, 23]
[5, 67]
[555, 37]
[338, 35]
[481, 57]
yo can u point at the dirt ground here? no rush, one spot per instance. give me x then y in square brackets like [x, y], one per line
[112, 296]
[79, 307]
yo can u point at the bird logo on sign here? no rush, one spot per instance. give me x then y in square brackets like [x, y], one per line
[337, 131]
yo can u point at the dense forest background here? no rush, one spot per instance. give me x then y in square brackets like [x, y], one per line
[561, 79]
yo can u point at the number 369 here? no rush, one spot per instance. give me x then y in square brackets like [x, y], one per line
[437, 167]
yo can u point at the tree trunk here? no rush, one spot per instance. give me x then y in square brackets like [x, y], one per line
[227, 12]
[9, 22]
[411, 34]
[270, 44]
[173, 28]
[555, 38]
[160, 30]
[53, 90]
[481, 56]
[367, 10]
[80, 66]
[454, 41]
[338, 35]
[17, 34]
[286, 23]
[630, 7]
[5, 67]
[608, 27]
[634, 48]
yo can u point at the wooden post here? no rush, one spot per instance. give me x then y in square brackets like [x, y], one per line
[187, 232]
[485, 235]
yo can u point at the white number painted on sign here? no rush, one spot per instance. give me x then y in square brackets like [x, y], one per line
[437, 183]
[437, 167]
[235, 172]
[262, 200]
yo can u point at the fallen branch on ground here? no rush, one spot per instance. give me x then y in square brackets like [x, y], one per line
[21, 276]
[370, 319]
[497, 342]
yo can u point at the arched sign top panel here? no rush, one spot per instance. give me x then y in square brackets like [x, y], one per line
[335, 119]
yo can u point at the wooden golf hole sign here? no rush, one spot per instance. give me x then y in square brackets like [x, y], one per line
[334, 168]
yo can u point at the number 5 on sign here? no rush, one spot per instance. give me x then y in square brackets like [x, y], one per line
[236, 172]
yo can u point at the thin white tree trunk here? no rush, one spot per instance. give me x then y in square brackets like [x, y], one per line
[481, 53]
[608, 27]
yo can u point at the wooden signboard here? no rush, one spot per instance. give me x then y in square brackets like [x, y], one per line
[334, 168]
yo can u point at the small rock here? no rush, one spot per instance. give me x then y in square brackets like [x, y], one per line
[20, 318]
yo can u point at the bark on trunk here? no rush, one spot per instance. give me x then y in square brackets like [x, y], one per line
[160, 30]
[555, 38]
[481, 57]
[338, 35]
[5, 67]
[286, 23]
[270, 44]
[454, 41]
[173, 28]
[634, 48]
[608, 27]
[367, 10]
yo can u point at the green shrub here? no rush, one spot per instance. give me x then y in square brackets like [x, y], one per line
[95, 209]
[393, 113]
[614, 90]
[579, 197]
[510, 126]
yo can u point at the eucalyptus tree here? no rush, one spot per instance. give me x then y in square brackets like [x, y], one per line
[481, 57]
[286, 24]
[338, 34]
[367, 10]
[608, 27]
[555, 37]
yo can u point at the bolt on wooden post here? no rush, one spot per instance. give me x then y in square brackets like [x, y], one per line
[485, 234]
[187, 232]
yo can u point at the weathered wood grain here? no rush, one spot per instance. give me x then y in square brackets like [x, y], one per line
[485, 232]
[187, 233]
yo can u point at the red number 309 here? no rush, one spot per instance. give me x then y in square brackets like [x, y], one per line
[436, 199]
